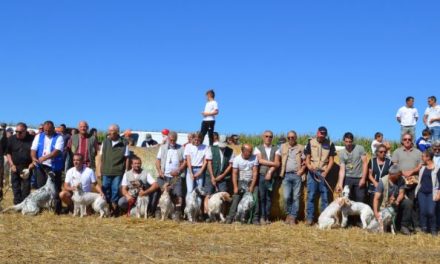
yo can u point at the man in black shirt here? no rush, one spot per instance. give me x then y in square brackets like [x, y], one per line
[19, 158]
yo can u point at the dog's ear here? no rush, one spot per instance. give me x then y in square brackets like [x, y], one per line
[226, 197]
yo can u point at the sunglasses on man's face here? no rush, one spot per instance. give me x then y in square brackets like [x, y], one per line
[19, 132]
[382, 151]
[268, 136]
[407, 139]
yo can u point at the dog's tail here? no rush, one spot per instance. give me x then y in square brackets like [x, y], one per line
[16, 208]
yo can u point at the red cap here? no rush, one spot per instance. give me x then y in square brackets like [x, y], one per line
[165, 132]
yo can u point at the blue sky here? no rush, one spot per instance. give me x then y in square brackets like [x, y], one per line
[274, 64]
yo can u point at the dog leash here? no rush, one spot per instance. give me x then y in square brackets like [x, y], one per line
[318, 178]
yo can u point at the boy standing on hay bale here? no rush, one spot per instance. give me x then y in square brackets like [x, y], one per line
[244, 179]
[292, 170]
[269, 163]
[320, 153]
[211, 110]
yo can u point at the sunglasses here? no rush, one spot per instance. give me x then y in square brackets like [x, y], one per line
[267, 136]
[19, 132]
[407, 139]
[291, 137]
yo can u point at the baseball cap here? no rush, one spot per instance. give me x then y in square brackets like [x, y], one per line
[165, 132]
[322, 130]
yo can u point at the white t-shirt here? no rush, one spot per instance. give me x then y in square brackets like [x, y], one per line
[210, 107]
[374, 146]
[172, 163]
[198, 154]
[245, 167]
[86, 177]
[59, 145]
[408, 116]
[150, 178]
[433, 112]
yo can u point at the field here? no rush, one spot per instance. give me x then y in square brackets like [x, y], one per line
[47, 238]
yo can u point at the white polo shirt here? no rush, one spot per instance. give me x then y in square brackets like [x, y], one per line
[408, 116]
[210, 107]
[59, 145]
[198, 154]
[86, 177]
[172, 163]
[433, 112]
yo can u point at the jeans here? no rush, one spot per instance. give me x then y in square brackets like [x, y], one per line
[21, 188]
[265, 196]
[404, 213]
[208, 127]
[110, 187]
[291, 192]
[427, 212]
[191, 184]
[357, 193]
[41, 177]
[313, 188]
[435, 133]
[408, 129]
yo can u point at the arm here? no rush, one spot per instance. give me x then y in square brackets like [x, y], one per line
[188, 164]
[159, 169]
[200, 172]
[98, 188]
[341, 177]
[364, 171]
[213, 113]
[398, 119]
[331, 161]
[127, 163]
[371, 178]
[425, 119]
[124, 191]
[235, 180]
[400, 197]
[223, 175]
[309, 163]
[211, 172]
[377, 196]
[154, 187]
[254, 178]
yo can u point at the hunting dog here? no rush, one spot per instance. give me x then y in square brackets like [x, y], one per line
[142, 206]
[41, 198]
[244, 207]
[193, 205]
[216, 204]
[83, 199]
[329, 218]
[165, 202]
[387, 217]
[356, 208]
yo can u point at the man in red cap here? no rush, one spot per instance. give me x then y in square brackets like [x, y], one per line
[165, 133]
[320, 153]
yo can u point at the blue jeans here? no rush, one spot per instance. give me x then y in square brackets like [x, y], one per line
[435, 133]
[291, 192]
[265, 196]
[313, 188]
[427, 212]
[191, 184]
[110, 187]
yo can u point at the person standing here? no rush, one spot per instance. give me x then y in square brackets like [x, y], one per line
[84, 143]
[114, 162]
[320, 153]
[211, 111]
[378, 167]
[196, 160]
[3, 145]
[407, 117]
[432, 118]
[19, 158]
[47, 155]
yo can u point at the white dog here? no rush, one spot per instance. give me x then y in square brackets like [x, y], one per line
[41, 198]
[83, 199]
[387, 216]
[356, 208]
[142, 206]
[329, 218]
[193, 205]
[216, 205]
[244, 207]
[165, 203]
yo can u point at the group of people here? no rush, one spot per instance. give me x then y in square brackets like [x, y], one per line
[407, 178]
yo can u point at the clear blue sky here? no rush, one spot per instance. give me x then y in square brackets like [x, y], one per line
[274, 64]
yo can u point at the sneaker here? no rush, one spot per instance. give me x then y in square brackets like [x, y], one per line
[405, 231]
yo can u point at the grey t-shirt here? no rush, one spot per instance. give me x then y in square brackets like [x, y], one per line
[352, 161]
[407, 159]
[393, 189]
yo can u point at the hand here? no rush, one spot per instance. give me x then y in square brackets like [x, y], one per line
[324, 174]
[204, 114]
[301, 172]
[213, 181]
[406, 174]
[251, 189]
[142, 193]
[338, 188]
[192, 176]
[362, 183]
[197, 175]
[13, 168]
[375, 183]
[31, 166]
[174, 173]
[161, 174]
[378, 216]
[129, 198]
[102, 195]
[235, 190]
[268, 177]
[42, 159]
[431, 121]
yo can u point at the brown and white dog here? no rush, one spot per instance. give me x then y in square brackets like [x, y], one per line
[165, 203]
[216, 205]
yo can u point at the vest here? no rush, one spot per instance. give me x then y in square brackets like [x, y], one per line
[91, 151]
[113, 158]
[263, 169]
[217, 167]
[132, 183]
[435, 183]
[58, 161]
[164, 152]
[285, 154]
[319, 155]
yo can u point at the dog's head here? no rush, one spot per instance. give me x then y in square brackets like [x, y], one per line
[165, 187]
[25, 174]
[346, 191]
[343, 201]
[225, 197]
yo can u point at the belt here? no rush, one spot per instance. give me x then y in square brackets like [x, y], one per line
[196, 167]
[291, 172]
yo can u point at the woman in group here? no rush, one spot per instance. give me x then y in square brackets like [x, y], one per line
[378, 168]
[428, 193]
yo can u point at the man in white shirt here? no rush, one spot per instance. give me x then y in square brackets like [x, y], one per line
[46, 153]
[211, 110]
[79, 174]
[137, 183]
[432, 118]
[407, 117]
[196, 160]
[244, 179]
